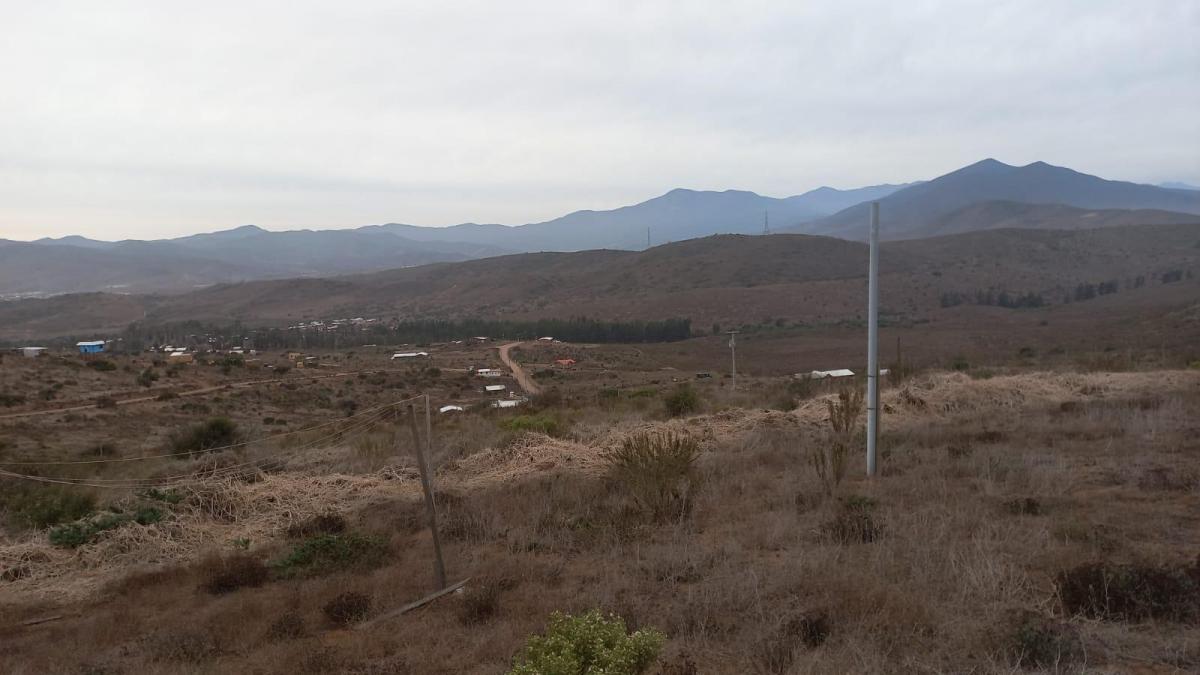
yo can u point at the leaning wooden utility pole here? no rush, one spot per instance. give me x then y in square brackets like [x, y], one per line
[873, 342]
[439, 567]
[733, 355]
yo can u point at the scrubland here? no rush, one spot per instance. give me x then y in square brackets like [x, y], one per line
[1040, 522]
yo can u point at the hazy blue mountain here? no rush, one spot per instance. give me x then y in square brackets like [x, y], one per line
[1176, 185]
[677, 215]
[914, 211]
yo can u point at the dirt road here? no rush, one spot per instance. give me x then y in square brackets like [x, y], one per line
[518, 372]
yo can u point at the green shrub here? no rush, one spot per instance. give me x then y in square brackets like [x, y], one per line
[217, 432]
[540, 423]
[169, 495]
[347, 608]
[327, 553]
[1132, 592]
[588, 644]
[103, 365]
[658, 469]
[147, 377]
[9, 400]
[80, 532]
[44, 506]
[683, 401]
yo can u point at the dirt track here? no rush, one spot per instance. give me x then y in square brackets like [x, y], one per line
[518, 372]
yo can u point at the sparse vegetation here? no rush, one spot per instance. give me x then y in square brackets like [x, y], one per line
[658, 470]
[683, 401]
[228, 573]
[347, 608]
[40, 506]
[325, 553]
[589, 643]
[217, 432]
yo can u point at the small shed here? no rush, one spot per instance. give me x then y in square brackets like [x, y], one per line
[546, 339]
[822, 374]
[508, 402]
[488, 372]
[410, 355]
[495, 388]
[180, 357]
[450, 408]
[90, 347]
[32, 352]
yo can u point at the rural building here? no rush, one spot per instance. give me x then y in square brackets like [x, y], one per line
[179, 357]
[488, 372]
[822, 374]
[508, 402]
[410, 355]
[91, 347]
[450, 408]
[566, 363]
[31, 352]
[495, 388]
[546, 339]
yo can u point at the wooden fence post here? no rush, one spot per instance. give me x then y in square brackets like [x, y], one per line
[439, 567]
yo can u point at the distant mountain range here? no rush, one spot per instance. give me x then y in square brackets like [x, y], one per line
[983, 196]
[922, 210]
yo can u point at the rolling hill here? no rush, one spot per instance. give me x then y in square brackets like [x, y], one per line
[727, 278]
[921, 210]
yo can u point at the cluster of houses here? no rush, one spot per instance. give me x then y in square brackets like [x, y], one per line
[334, 324]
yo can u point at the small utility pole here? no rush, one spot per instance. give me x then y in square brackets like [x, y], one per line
[733, 353]
[647, 237]
[439, 567]
[766, 222]
[873, 342]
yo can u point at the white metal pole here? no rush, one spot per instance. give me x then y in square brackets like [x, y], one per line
[873, 342]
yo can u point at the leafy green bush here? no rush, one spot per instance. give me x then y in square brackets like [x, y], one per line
[217, 432]
[44, 506]
[80, 532]
[586, 645]
[541, 423]
[683, 401]
[147, 377]
[658, 469]
[327, 553]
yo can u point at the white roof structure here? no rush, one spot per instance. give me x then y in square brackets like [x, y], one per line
[508, 402]
[546, 339]
[450, 408]
[495, 387]
[90, 343]
[822, 374]
[409, 355]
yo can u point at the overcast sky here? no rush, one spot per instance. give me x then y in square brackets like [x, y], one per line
[155, 119]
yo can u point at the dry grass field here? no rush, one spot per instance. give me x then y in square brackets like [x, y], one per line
[1041, 521]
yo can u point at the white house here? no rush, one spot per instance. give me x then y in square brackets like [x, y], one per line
[822, 374]
[493, 388]
[410, 355]
[488, 372]
[32, 352]
[508, 402]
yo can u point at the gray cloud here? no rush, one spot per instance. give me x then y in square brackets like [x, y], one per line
[133, 119]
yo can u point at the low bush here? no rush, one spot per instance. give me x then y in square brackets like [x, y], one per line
[288, 626]
[658, 470]
[80, 532]
[147, 377]
[217, 432]
[9, 400]
[327, 553]
[103, 365]
[347, 608]
[45, 506]
[1039, 642]
[106, 402]
[683, 401]
[1132, 592]
[225, 574]
[587, 644]
[480, 603]
[541, 423]
[853, 522]
[325, 523]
